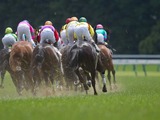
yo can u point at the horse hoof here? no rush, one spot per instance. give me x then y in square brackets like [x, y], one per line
[95, 93]
[104, 89]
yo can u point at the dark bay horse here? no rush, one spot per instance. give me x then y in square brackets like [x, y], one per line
[19, 61]
[46, 65]
[105, 63]
[83, 55]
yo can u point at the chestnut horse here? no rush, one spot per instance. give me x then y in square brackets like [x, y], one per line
[105, 63]
[46, 65]
[19, 61]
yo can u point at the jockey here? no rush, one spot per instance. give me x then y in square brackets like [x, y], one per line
[101, 34]
[84, 31]
[70, 30]
[26, 32]
[63, 32]
[9, 38]
[48, 34]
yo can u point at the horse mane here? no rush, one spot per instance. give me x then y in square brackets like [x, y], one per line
[74, 58]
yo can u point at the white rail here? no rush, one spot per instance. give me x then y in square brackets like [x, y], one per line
[137, 60]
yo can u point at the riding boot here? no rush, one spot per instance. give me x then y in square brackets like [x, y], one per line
[55, 44]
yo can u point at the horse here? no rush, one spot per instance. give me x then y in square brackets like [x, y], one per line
[83, 55]
[19, 61]
[46, 65]
[105, 62]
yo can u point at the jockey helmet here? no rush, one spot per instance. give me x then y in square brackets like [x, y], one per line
[68, 20]
[8, 30]
[99, 26]
[74, 19]
[48, 23]
[26, 21]
[82, 19]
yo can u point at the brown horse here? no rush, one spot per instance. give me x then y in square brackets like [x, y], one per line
[19, 61]
[105, 63]
[46, 65]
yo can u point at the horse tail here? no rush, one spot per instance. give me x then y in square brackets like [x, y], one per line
[74, 58]
[39, 56]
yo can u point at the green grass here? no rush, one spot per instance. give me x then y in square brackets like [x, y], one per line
[137, 98]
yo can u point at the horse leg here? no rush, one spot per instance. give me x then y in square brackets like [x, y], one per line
[26, 81]
[109, 79]
[3, 72]
[104, 89]
[81, 79]
[29, 82]
[51, 78]
[20, 78]
[46, 79]
[94, 82]
[14, 79]
[36, 83]
[114, 78]
[89, 80]
[59, 78]
[97, 79]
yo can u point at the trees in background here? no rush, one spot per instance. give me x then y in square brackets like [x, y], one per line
[151, 44]
[134, 24]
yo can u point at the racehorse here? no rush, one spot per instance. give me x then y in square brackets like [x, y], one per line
[105, 63]
[19, 61]
[83, 55]
[46, 65]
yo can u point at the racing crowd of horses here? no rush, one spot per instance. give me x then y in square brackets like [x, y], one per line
[70, 66]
